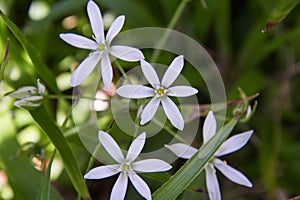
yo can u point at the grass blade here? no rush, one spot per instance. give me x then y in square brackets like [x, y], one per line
[194, 166]
[46, 74]
[42, 117]
[3, 65]
[44, 192]
[279, 13]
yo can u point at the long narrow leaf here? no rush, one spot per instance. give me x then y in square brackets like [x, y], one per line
[40, 67]
[193, 167]
[22, 176]
[42, 117]
[44, 192]
[280, 12]
[3, 65]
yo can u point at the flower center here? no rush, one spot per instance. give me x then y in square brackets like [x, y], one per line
[125, 167]
[101, 47]
[161, 91]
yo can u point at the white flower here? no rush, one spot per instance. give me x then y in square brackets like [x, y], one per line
[127, 166]
[29, 96]
[100, 46]
[232, 144]
[160, 92]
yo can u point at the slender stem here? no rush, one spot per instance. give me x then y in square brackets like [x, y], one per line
[122, 71]
[71, 97]
[92, 158]
[170, 131]
[166, 34]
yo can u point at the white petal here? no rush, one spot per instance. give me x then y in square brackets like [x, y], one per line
[96, 21]
[209, 127]
[23, 92]
[181, 91]
[106, 70]
[151, 165]
[126, 53]
[234, 143]
[136, 147]
[41, 87]
[24, 103]
[102, 172]
[135, 91]
[149, 110]
[150, 74]
[173, 113]
[115, 28]
[33, 98]
[172, 72]
[232, 174]
[111, 146]
[119, 190]
[78, 41]
[212, 183]
[140, 185]
[84, 69]
[182, 150]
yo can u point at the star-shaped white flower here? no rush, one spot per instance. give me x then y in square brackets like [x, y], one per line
[232, 144]
[160, 92]
[29, 96]
[127, 166]
[100, 46]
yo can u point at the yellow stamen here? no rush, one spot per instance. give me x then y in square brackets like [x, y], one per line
[101, 47]
[125, 167]
[160, 91]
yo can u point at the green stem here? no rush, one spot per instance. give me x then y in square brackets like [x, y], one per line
[122, 71]
[71, 97]
[166, 34]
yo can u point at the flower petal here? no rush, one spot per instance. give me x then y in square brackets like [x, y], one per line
[24, 103]
[149, 110]
[41, 87]
[96, 21]
[136, 147]
[78, 41]
[126, 53]
[173, 113]
[140, 185]
[182, 150]
[181, 91]
[111, 146]
[84, 69]
[209, 127]
[151, 165]
[115, 28]
[135, 91]
[234, 143]
[232, 174]
[172, 72]
[150, 74]
[106, 71]
[212, 183]
[23, 92]
[120, 187]
[102, 172]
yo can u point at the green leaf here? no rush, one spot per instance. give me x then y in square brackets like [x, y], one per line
[22, 176]
[44, 192]
[279, 13]
[46, 74]
[194, 166]
[42, 117]
[3, 65]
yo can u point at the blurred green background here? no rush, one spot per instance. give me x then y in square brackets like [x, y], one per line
[231, 31]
